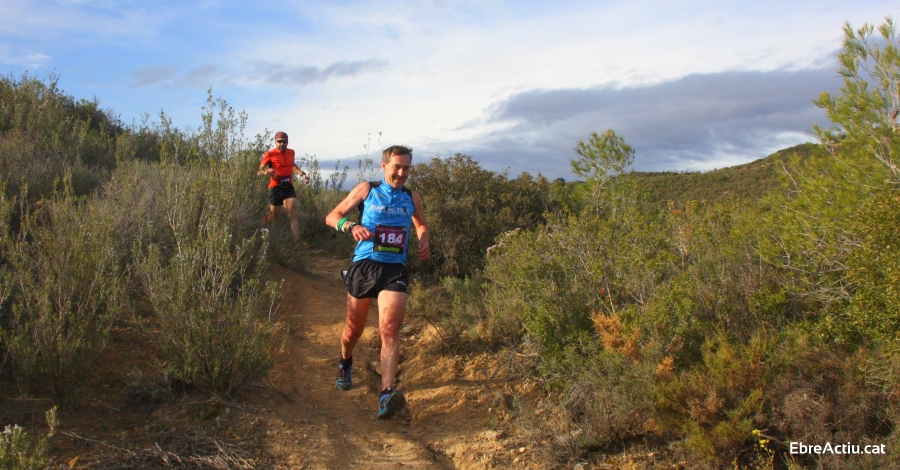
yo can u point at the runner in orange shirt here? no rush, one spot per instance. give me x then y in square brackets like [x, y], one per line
[279, 165]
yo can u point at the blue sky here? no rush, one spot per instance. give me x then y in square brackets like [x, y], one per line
[691, 85]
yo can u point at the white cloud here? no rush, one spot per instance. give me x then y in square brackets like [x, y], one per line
[426, 73]
[698, 122]
[445, 71]
[23, 59]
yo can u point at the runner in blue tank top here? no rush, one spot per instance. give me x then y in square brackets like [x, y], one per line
[387, 209]
[386, 213]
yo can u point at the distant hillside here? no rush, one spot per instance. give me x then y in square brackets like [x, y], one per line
[747, 182]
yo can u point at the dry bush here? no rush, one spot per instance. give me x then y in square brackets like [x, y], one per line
[236, 445]
[65, 276]
[187, 452]
[828, 395]
[716, 404]
[549, 429]
[607, 405]
[215, 314]
[612, 400]
[613, 334]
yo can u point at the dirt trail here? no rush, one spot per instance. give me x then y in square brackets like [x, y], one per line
[452, 419]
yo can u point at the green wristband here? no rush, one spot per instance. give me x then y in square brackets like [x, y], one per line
[340, 224]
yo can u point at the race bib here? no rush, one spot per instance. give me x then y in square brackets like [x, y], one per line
[389, 239]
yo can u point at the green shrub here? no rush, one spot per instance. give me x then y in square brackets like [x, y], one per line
[718, 293]
[207, 293]
[600, 397]
[456, 306]
[707, 278]
[875, 271]
[19, 451]
[67, 290]
[45, 133]
[183, 206]
[6, 284]
[792, 386]
[154, 193]
[468, 207]
[789, 385]
[809, 237]
[818, 238]
[531, 280]
[555, 277]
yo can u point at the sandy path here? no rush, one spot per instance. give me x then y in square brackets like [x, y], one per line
[312, 423]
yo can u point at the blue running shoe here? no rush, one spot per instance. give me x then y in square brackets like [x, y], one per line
[390, 404]
[344, 381]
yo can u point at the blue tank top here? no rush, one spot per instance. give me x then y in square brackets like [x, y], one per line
[387, 212]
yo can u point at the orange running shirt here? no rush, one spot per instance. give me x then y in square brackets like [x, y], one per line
[283, 163]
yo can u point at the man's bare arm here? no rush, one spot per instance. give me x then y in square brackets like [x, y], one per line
[265, 170]
[357, 195]
[418, 219]
[300, 172]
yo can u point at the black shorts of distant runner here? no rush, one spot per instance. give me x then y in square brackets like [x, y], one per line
[278, 194]
[367, 278]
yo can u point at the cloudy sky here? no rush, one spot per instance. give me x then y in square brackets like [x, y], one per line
[691, 85]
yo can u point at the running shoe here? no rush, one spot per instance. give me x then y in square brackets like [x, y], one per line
[390, 404]
[266, 218]
[344, 381]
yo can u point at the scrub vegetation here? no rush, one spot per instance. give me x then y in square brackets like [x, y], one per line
[719, 316]
[713, 318]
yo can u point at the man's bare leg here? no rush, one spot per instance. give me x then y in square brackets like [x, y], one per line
[391, 310]
[357, 314]
[275, 211]
[290, 205]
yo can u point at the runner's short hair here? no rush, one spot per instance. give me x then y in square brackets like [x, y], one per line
[395, 150]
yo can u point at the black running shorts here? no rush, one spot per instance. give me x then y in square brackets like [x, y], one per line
[279, 193]
[367, 278]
